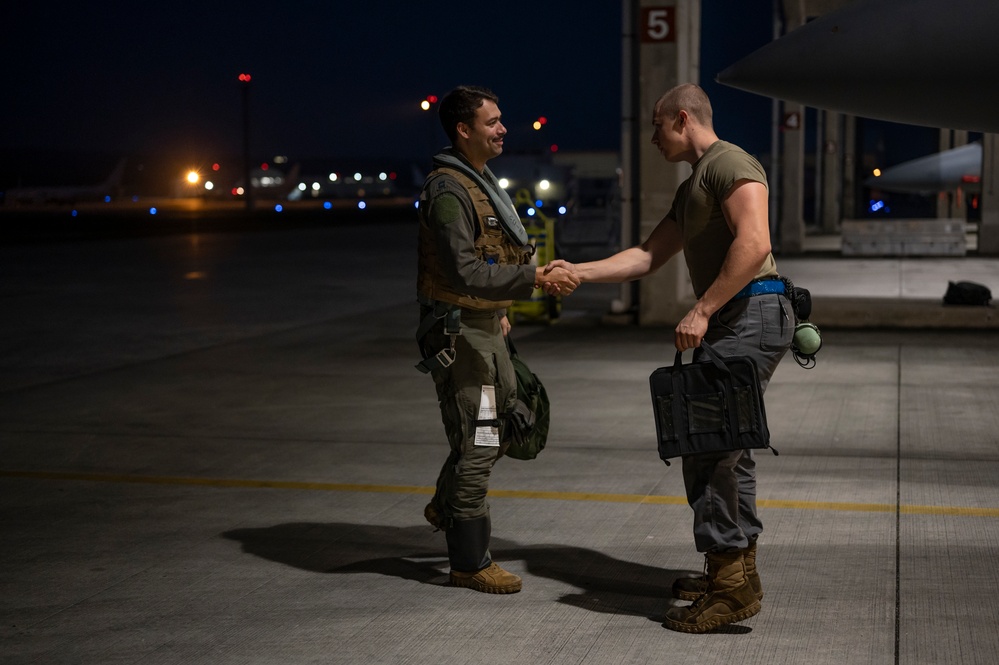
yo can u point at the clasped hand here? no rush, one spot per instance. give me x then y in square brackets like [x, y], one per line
[559, 278]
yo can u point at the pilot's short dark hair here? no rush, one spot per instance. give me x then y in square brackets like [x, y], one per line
[460, 105]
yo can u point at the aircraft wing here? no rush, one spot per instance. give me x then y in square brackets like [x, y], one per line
[920, 62]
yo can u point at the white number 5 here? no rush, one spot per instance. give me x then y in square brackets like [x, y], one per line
[658, 27]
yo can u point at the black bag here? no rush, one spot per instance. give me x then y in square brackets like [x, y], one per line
[967, 293]
[708, 407]
[531, 415]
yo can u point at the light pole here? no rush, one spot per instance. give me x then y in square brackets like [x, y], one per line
[244, 80]
[427, 104]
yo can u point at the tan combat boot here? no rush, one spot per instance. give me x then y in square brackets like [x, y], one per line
[729, 597]
[692, 588]
[491, 579]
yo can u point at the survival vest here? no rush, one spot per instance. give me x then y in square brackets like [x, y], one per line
[491, 244]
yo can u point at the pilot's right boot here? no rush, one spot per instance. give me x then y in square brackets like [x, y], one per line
[471, 565]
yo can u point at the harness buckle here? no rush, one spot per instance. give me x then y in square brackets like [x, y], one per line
[446, 356]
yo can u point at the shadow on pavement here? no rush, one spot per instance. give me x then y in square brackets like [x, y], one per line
[606, 584]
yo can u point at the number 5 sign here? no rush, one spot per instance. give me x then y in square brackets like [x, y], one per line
[657, 24]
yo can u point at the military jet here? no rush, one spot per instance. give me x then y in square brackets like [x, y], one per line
[919, 62]
[947, 171]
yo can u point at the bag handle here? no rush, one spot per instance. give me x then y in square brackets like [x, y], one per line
[712, 356]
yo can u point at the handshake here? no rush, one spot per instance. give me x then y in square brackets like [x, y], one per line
[557, 277]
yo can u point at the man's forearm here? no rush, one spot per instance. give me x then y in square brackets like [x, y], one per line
[625, 266]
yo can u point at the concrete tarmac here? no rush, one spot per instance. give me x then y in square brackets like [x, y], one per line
[214, 449]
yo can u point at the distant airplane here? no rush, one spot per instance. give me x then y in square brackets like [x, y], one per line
[947, 171]
[68, 193]
[920, 62]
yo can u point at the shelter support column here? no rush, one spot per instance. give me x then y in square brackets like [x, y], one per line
[668, 53]
[988, 232]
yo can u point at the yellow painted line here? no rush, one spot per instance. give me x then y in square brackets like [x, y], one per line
[510, 494]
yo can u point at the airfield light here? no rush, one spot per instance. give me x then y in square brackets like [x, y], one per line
[302, 186]
[192, 177]
[357, 176]
[393, 175]
[215, 166]
[544, 185]
[362, 205]
[554, 148]
[333, 177]
[504, 183]
[543, 120]
[531, 212]
[245, 78]
[383, 176]
[264, 166]
[537, 124]
[316, 186]
[877, 173]
[561, 210]
[425, 105]
[278, 208]
[327, 205]
[539, 204]
[209, 185]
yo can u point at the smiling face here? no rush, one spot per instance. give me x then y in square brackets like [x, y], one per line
[482, 140]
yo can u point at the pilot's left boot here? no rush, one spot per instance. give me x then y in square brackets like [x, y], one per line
[471, 565]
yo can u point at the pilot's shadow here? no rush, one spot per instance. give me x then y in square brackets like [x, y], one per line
[413, 553]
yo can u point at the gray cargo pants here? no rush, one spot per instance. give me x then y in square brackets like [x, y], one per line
[721, 487]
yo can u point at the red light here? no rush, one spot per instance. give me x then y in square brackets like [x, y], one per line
[971, 179]
[393, 176]
[554, 148]
[215, 166]
[543, 120]
[264, 167]
[432, 99]
[245, 78]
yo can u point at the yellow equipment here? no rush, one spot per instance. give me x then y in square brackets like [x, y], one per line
[540, 307]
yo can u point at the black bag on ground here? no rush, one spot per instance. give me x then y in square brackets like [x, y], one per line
[967, 293]
[531, 415]
[708, 407]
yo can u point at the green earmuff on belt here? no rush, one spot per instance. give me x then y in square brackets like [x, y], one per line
[807, 337]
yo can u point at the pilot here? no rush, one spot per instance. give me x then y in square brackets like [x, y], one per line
[474, 260]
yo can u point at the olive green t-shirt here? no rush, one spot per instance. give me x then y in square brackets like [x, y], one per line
[697, 209]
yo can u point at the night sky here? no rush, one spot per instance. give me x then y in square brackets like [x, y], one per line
[332, 78]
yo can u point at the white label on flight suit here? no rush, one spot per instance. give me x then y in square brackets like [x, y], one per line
[487, 435]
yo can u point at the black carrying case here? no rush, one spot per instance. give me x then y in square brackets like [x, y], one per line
[708, 407]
